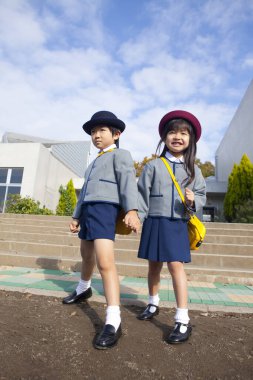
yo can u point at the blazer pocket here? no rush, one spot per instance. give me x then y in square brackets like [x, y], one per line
[106, 180]
[156, 204]
[109, 189]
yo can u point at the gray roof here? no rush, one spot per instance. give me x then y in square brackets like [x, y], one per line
[73, 154]
[10, 137]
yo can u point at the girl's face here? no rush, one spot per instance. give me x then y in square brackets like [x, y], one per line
[102, 137]
[177, 141]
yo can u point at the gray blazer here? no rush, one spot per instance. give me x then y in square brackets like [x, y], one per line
[110, 178]
[158, 195]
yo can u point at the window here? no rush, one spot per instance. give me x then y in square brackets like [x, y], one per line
[3, 175]
[2, 197]
[16, 175]
[10, 184]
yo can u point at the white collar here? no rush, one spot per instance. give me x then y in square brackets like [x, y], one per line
[172, 158]
[113, 146]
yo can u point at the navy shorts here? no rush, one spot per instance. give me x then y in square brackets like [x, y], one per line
[98, 221]
[165, 240]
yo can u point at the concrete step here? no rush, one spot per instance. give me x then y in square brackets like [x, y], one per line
[230, 232]
[198, 259]
[64, 220]
[58, 238]
[34, 217]
[45, 241]
[123, 254]
[226, 249]
[229, 226]
[228, 239]
[38, 222]
[32, 226]
[194, 273]
[12, 229]
[121, 243]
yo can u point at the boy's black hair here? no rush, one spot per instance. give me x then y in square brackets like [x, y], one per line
[114, 131]
[189, 153]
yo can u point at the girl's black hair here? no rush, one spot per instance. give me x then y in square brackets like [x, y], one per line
[189, 153]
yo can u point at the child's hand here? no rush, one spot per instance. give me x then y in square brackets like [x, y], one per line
[74, 226]
[189, 197]
[132, 220]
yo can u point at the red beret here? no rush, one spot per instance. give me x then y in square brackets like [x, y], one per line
[181, 115]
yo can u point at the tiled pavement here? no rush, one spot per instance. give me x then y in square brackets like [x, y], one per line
[202, 295]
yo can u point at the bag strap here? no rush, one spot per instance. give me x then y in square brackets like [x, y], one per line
[174, 180]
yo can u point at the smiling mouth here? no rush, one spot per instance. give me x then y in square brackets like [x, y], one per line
[177, 143]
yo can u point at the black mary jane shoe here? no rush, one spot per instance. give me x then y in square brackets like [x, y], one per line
[74, 298]
[146, 315]
[108, 337]
[179, 334]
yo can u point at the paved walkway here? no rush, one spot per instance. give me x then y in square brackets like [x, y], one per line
[202, 295]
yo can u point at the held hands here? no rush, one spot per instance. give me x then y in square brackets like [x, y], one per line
[74, 226]
[132, 220]
[189, 197]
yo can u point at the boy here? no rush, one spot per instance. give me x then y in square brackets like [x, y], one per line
[109, 184]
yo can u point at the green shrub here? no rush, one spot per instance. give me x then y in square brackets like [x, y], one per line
[25, 205]
[244, 212]
[240, 189]
[67, 200]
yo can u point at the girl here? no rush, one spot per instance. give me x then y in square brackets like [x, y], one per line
[164, 235]
[109, 183]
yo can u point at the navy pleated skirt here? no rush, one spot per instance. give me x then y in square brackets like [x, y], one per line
[164, 239]
[98, 221]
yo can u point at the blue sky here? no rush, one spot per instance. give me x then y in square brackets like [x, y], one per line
[63, 60]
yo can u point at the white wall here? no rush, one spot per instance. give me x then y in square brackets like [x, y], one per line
[238, 138]
[50, 175]
[22, 155]
[43, 173]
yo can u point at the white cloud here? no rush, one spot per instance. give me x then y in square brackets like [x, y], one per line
[248, 62]
[58, 67]
[176, 79]
[19, 29]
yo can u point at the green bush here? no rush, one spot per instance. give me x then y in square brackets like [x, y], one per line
[25, 205]
[244, 212]
[240, 189]
[67, 201]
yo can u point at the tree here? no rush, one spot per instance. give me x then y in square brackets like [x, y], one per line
[140, 165]
[244, 212]
[240, 189]
[207, 168]
[72, 194]
[67, 199]
[25, 205]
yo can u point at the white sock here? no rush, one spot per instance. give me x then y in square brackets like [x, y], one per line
[154, 300]
[182, 316]
[113, 316]
[82, 286]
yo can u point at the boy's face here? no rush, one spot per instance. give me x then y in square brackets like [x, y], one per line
[102, 137]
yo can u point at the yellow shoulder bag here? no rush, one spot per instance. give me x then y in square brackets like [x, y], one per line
[196, 229]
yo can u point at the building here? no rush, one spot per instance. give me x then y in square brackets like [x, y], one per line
[237, 140]
[36, 167]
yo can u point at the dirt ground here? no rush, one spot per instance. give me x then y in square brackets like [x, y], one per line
[42, 339]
